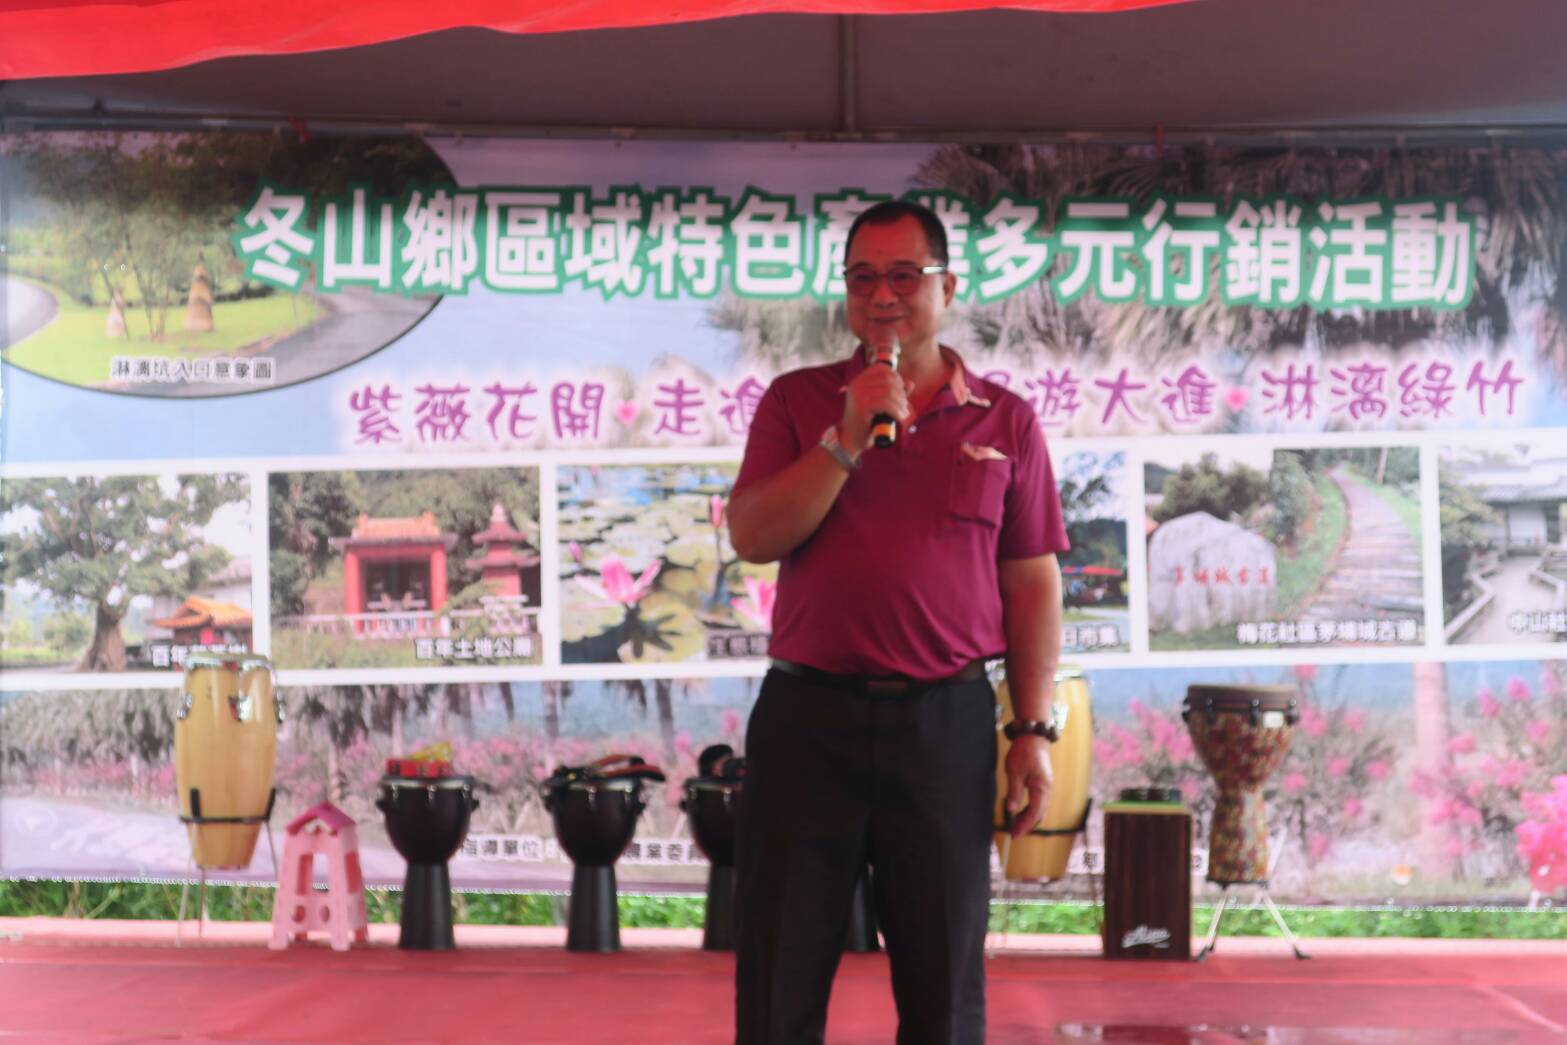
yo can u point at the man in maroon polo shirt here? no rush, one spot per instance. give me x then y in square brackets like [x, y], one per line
[902, 570]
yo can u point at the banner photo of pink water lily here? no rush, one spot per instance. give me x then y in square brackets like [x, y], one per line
[448, 428]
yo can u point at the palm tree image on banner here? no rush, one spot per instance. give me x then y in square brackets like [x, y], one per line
[1097, 614]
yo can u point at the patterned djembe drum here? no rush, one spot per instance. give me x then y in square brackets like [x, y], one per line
[1242, 734]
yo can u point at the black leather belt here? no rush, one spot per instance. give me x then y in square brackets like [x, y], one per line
[876, 685]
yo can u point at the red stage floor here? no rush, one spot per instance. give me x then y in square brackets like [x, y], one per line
[64, 981]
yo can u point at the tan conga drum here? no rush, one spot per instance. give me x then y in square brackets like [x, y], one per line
[225, 745]
[1242, 734]
[1044, 851]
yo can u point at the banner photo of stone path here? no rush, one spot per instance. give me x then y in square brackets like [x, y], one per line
[1279, 549]
[123, 573]
[413, 568]
[1504, 543]
[647, 570]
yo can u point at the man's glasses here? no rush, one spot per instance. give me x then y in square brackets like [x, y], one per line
[902, 280]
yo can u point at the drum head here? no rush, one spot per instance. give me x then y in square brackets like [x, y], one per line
[1241, 698]
[698, 785]
[598, 784]
[438, 783]
[218, 661]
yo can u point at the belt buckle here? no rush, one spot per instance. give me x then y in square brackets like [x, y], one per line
[886, 687]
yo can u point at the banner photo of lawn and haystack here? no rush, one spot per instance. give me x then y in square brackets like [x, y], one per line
[1284, 548]
[1504, 543]
[647, 570]
[1404, 782]
[123, 573]
[404, 569]
[123, 269]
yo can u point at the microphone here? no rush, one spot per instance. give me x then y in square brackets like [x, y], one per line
[884, 427]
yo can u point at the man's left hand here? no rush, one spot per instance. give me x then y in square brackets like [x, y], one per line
[1028, 782]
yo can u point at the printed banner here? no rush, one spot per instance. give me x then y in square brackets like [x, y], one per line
[448, 428]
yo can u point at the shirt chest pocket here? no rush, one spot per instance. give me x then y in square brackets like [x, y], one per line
[978, 491]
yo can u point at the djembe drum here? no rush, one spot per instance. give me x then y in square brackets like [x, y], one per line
[1043, 852]
[225, 747]
[426, 820]
[1242, 734]
[712, 803]
[595, 809]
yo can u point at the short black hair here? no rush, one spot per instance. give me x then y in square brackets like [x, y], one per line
[889, 211]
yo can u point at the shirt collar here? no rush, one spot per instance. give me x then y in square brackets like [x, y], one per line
[957, 384]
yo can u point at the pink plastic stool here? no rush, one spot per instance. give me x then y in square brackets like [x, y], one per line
[299, 908]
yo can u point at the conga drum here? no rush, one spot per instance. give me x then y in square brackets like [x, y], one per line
[595, 810]
[225, 747]
[712, 805]
[1043, 852]
[426, 820]
[1242, 734]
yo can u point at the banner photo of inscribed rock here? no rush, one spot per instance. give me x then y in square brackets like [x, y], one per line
[125, 274]
[647, 570]
[416, 568]
[1284, 549]
[1504, 557]
[1097, 614]
[106, 573]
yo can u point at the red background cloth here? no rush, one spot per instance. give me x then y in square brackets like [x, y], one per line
[78, 37]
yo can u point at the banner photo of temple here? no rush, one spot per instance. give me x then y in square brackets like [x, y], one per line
[364, 574]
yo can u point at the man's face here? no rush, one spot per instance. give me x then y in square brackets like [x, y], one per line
[915, 318]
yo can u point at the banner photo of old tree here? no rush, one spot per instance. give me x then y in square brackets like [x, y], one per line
[447, 428]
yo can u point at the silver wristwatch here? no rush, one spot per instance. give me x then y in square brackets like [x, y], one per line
[847, 461]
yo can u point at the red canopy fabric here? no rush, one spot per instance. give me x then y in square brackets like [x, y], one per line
[86, 37]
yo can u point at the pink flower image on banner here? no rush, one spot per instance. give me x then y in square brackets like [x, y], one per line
[693, 599]
[756, 607]
[615, 584]
[1501, 798]
[1542, 839]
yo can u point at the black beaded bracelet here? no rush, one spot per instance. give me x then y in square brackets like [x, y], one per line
[1018, 726]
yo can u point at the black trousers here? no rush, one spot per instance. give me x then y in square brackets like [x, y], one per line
[835, 779]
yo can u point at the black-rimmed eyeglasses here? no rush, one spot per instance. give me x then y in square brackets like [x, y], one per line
[902, 280]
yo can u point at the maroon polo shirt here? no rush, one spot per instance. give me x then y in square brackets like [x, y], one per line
[901, 576]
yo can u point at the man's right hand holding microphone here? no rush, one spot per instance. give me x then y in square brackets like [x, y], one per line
[878, 396]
